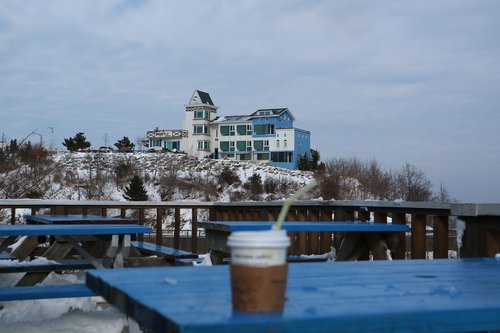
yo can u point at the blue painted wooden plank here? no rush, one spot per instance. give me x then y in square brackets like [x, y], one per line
[403, 296]
[163, 250]
[305, 226]
[67, 229]
[77, 219]
[24, 266]
[42, 292]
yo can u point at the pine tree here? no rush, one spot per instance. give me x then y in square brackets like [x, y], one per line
[303, 163]
[135, 190]
[254, 186]
[314, 159]
[124, 145]
[78, 142]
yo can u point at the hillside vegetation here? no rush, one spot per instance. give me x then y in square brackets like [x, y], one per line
[31, 171]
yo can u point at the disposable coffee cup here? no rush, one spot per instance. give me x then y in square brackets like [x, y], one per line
[258, 270]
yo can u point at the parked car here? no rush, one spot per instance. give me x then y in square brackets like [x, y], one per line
[105, 149]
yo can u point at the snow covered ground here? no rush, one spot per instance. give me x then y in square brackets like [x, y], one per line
[83, 314]
[80, 315]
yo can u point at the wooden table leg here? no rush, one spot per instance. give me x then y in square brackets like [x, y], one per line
[25, 248]
[377, 245]
[58, 251]
[217, 257]
[351, 247]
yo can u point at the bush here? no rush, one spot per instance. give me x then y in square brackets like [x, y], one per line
[228, 177]
[254, 187]
[271, 185]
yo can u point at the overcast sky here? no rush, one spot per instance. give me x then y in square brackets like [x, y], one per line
[395, 81]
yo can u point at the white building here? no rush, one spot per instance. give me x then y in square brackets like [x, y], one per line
[267, 135]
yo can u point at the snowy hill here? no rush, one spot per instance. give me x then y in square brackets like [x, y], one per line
[170, 176]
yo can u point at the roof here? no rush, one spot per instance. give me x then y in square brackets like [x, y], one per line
[271, 112]
[205, 97]
[230, 119]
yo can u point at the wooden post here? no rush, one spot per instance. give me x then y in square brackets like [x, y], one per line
[177, 227]
[12, 216]
[314, 237]
[440, 240]
[303, 237]
[340, 215]
[160, 212]
[194, 230]
[140, 237]
[418, 237]
[294, 246]
[401, 251]
[326, 237]
[380, 217]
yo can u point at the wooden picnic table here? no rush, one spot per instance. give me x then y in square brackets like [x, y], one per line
[385, 296]
[216, 234]
[67, 239]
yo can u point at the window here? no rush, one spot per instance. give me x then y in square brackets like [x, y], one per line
[262, 156]
[282, 156]
[285, 143]
[241, 129]
[244, 145]
[263, 129]
[201, 114]
[203, 145]
[245, 157]
[154, 143]
[224, 145]
[231, 145]
[261, 145]
[249, 129]
[241, 145]
[200, 129]
[277, 143]
[224, 130]
[227, 130]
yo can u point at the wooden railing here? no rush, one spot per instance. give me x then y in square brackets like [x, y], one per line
[431, 225]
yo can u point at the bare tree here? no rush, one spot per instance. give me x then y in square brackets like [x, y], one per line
[442, 195]
[25, 170]
[413, 185]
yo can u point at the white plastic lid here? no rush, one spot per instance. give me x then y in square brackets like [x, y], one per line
[259, 239]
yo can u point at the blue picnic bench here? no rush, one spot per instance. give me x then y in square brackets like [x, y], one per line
[68, 240]
[171, 255]
[381, 296]
[217, 232]
[46, 291]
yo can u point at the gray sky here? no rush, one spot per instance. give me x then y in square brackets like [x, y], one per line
[397, 81]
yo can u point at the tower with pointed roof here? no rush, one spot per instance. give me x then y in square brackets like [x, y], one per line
[200, 111]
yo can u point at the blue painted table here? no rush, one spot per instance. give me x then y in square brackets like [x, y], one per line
[383, 296]
[77, 219]
[67, 239]
[216, 234]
